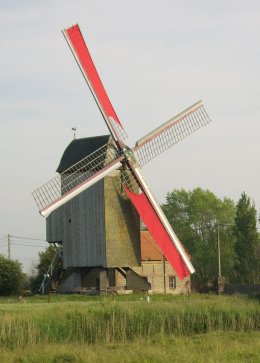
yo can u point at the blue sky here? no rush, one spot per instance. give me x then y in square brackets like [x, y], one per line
[155, 59]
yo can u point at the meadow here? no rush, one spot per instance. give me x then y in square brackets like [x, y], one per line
[76, 328]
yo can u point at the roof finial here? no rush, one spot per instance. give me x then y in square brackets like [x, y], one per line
[74, 129]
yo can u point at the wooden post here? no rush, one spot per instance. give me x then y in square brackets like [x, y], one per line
[164, 275]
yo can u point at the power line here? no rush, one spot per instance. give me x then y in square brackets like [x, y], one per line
[9, 240]
[23, 244]
[25, 241]
[234, 226]
[29, 238]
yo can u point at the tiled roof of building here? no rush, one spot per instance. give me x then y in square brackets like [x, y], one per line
[149, 248]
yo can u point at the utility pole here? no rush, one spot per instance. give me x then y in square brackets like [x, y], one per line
[9, 246]
[220, 279]
[219, 258]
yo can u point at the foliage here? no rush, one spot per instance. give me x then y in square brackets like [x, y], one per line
[247, 242]
[11, 277]
[45, 259]
[194, 215]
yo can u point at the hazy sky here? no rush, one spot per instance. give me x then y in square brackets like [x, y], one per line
[155, 58]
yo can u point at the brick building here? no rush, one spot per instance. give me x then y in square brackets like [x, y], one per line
[158, 272]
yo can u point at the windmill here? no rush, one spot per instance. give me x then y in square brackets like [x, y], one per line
[113, 157]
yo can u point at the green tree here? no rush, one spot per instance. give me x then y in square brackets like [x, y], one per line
[45, 259]
[194, 216]
[247, 242]
[11, 277]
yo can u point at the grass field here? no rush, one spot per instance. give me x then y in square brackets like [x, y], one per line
[202, 328]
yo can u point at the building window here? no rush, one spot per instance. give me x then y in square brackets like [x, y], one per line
[172, 282]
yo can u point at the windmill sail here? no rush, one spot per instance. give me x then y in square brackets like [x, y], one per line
[157, 223]
[77, 178]
[160, 234]
[81, 53]
[171, 132]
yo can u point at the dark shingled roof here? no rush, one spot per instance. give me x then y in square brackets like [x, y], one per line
[79, 149]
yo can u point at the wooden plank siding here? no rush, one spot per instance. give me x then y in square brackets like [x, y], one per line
[80, 226]
[98, 228]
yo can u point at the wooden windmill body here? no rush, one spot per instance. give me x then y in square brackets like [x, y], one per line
[98, 227]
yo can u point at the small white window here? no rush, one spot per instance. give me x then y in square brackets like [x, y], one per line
[172, 282]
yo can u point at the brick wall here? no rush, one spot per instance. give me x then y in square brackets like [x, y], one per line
[122, 226]
[154, 271]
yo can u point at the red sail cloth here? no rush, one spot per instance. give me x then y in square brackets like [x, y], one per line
[82, 52]
[159, 233]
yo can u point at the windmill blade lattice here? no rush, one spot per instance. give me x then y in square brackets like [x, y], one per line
[173, 131]
[80, 172]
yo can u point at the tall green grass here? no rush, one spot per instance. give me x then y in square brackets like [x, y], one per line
[120, 320]
[200, 348]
